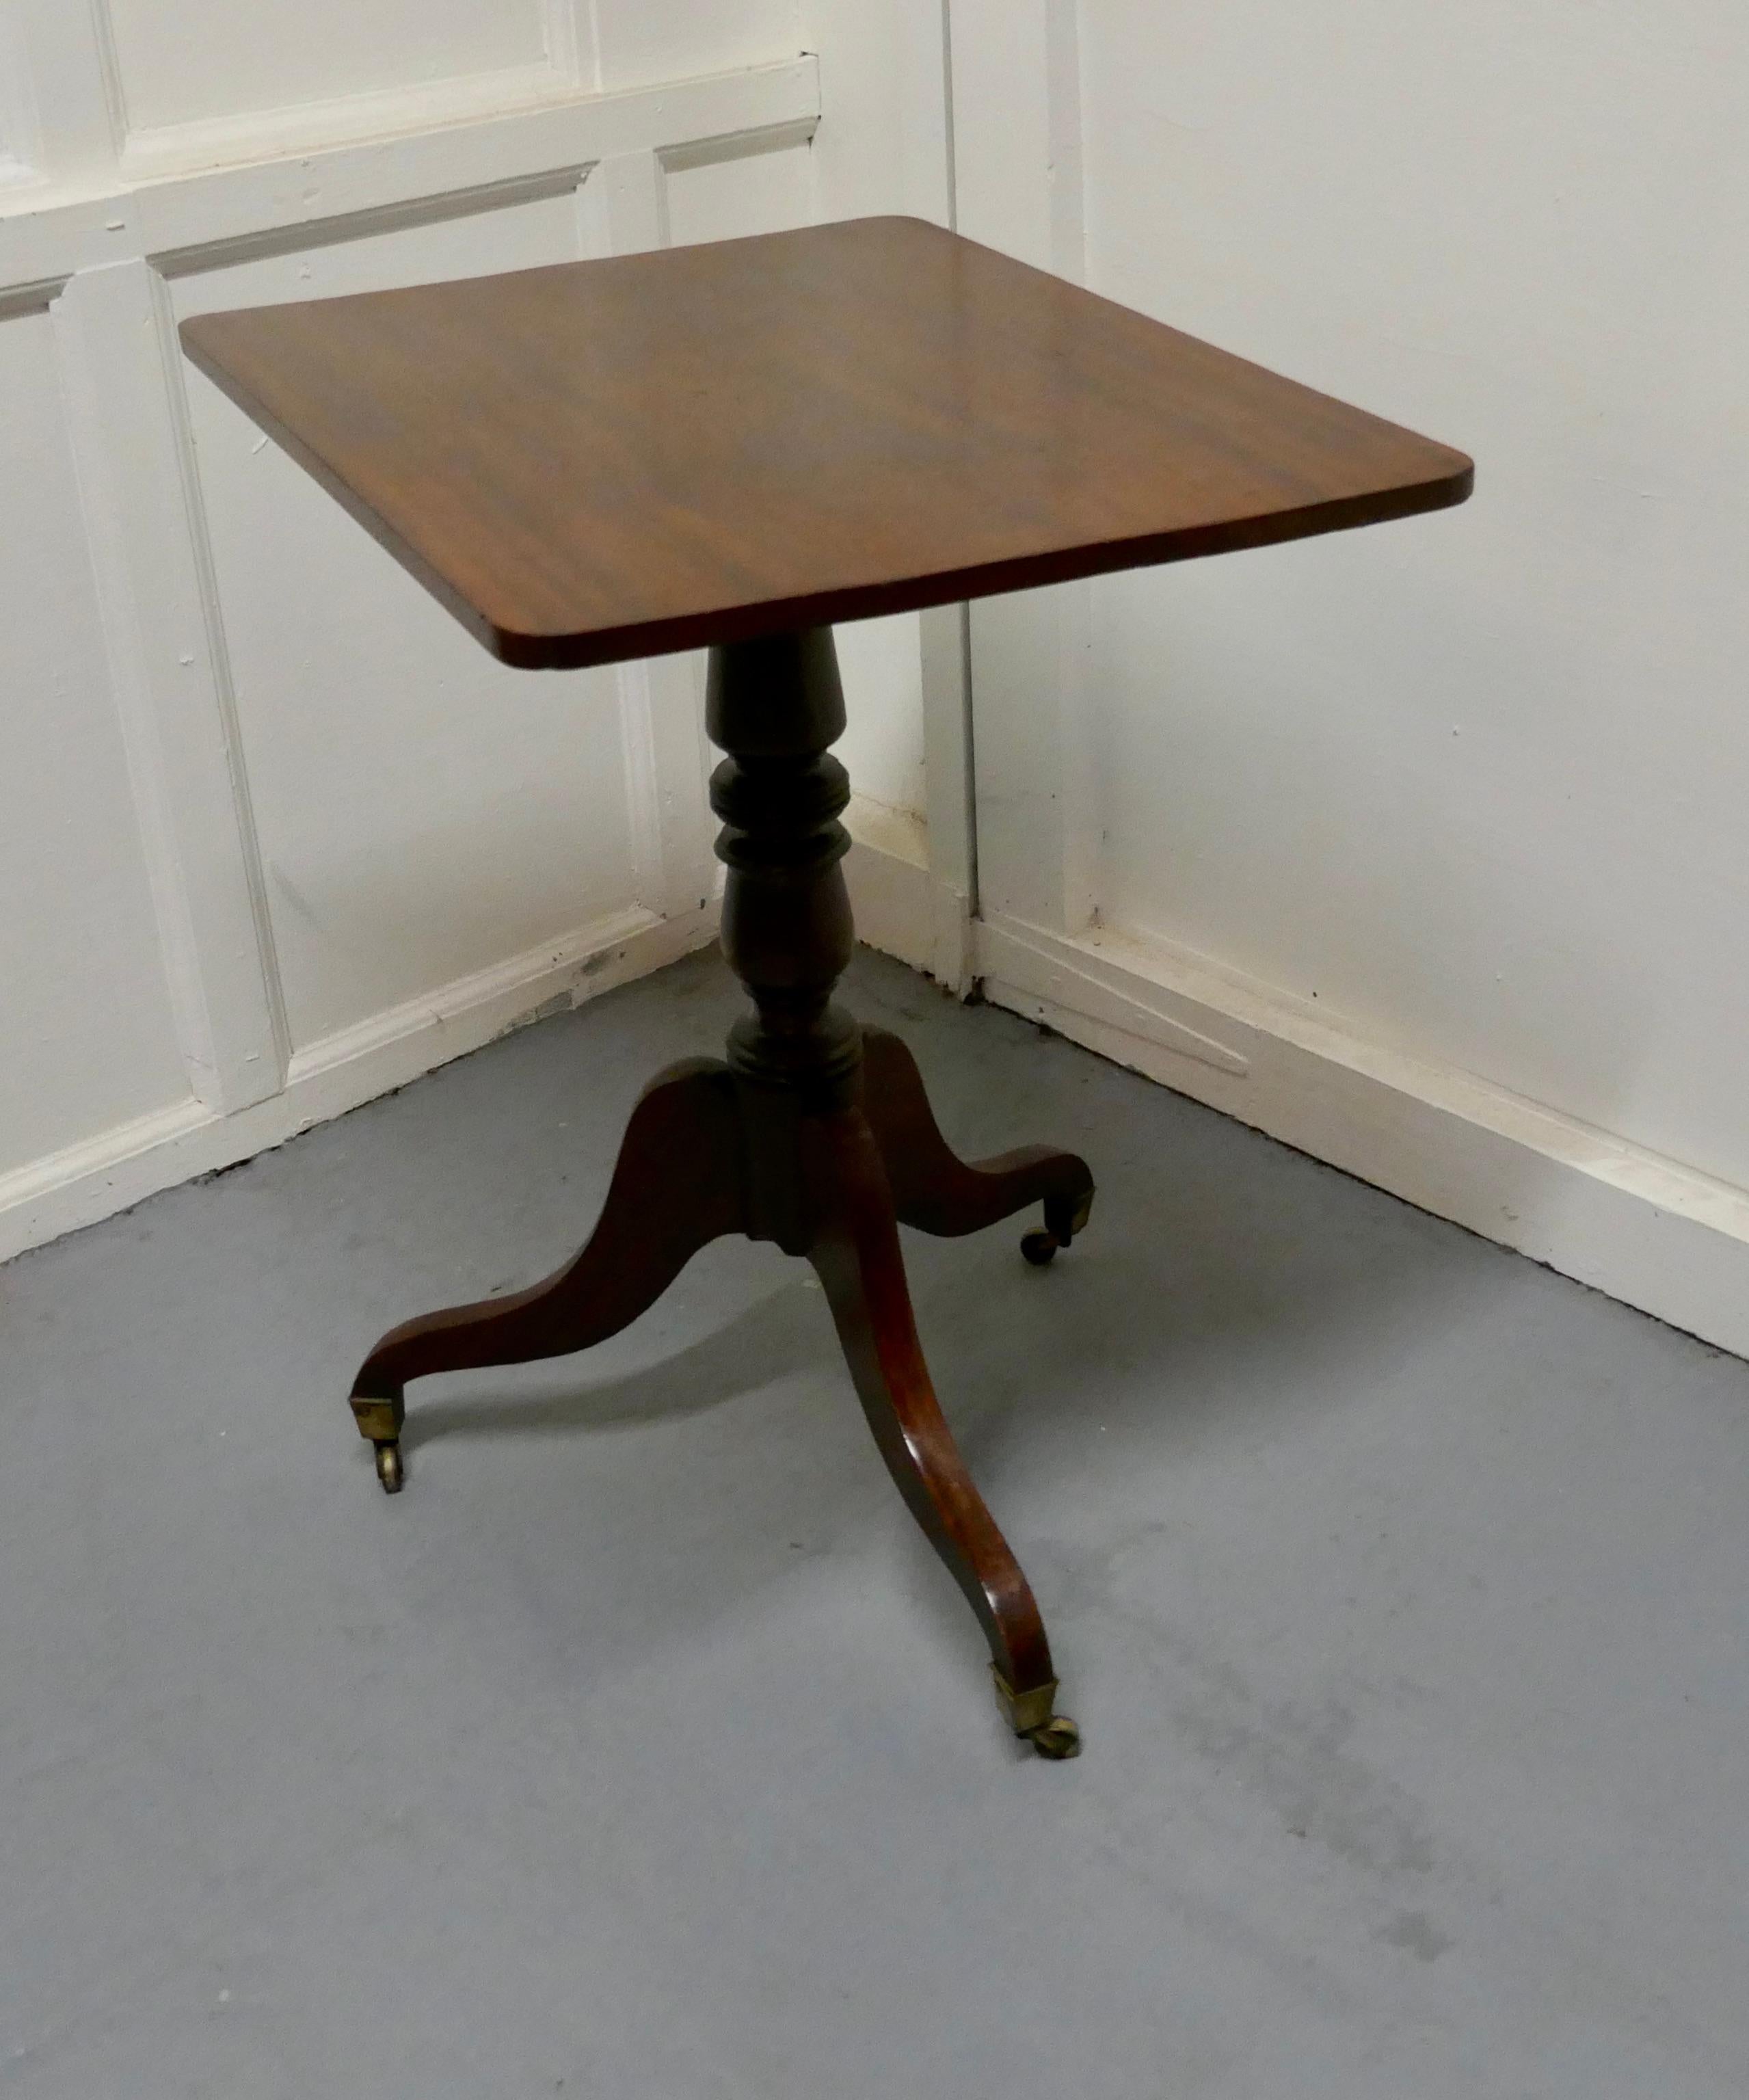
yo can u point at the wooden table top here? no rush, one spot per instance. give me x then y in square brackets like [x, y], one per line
[614, 459]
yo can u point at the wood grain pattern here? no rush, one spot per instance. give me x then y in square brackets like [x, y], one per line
[684, 1135]
[855, 1252]
[615, 459]
[795, 1140]
[934, 1189]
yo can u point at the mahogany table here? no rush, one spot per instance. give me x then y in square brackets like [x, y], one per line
[734, 446]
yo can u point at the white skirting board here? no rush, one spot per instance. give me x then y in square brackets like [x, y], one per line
[893, 898]
[1644, 1229]
[121, 1166]
[900, 907]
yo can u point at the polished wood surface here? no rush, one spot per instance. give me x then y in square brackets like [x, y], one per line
[933, 1188]
[676, 1186]
[812, 1134]
[613, 459]
[709, 1151]
[855, 1252]
[737, 445]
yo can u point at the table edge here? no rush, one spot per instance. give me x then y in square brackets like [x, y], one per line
[580, 649]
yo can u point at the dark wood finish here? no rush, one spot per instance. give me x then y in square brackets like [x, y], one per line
[796, 1139]
[935, 1190]
[699, 1142]
[684, 1135]
[855, 1251]
[774, 705]
[613, 459]
[737, 445]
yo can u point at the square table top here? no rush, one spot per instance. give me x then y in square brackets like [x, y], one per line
[613, 459]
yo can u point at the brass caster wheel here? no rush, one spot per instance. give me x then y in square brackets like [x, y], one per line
[389, 1468]
[1029, 1714]
[1059, 1738]
[1063, 1218]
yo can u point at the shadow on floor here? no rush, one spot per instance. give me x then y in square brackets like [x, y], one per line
[767, 1341]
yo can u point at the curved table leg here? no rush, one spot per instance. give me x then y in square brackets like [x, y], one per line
[935, 1190]
[676, 1186]
[856, 1252]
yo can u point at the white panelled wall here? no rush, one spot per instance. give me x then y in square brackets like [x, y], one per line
[276, 835]
[1421, 847]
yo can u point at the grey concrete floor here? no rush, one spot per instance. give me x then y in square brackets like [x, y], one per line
[641, 1749]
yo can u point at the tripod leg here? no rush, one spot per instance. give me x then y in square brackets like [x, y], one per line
[938, 1192]
[855, 1251]
[677, 1186]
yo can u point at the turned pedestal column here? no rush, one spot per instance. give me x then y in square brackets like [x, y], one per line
[814, 1133]
[732, 447]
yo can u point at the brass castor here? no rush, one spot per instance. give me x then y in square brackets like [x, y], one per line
[1029, 1714]
[1058, 1738]
[1063, 1218]
[379, 1421]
